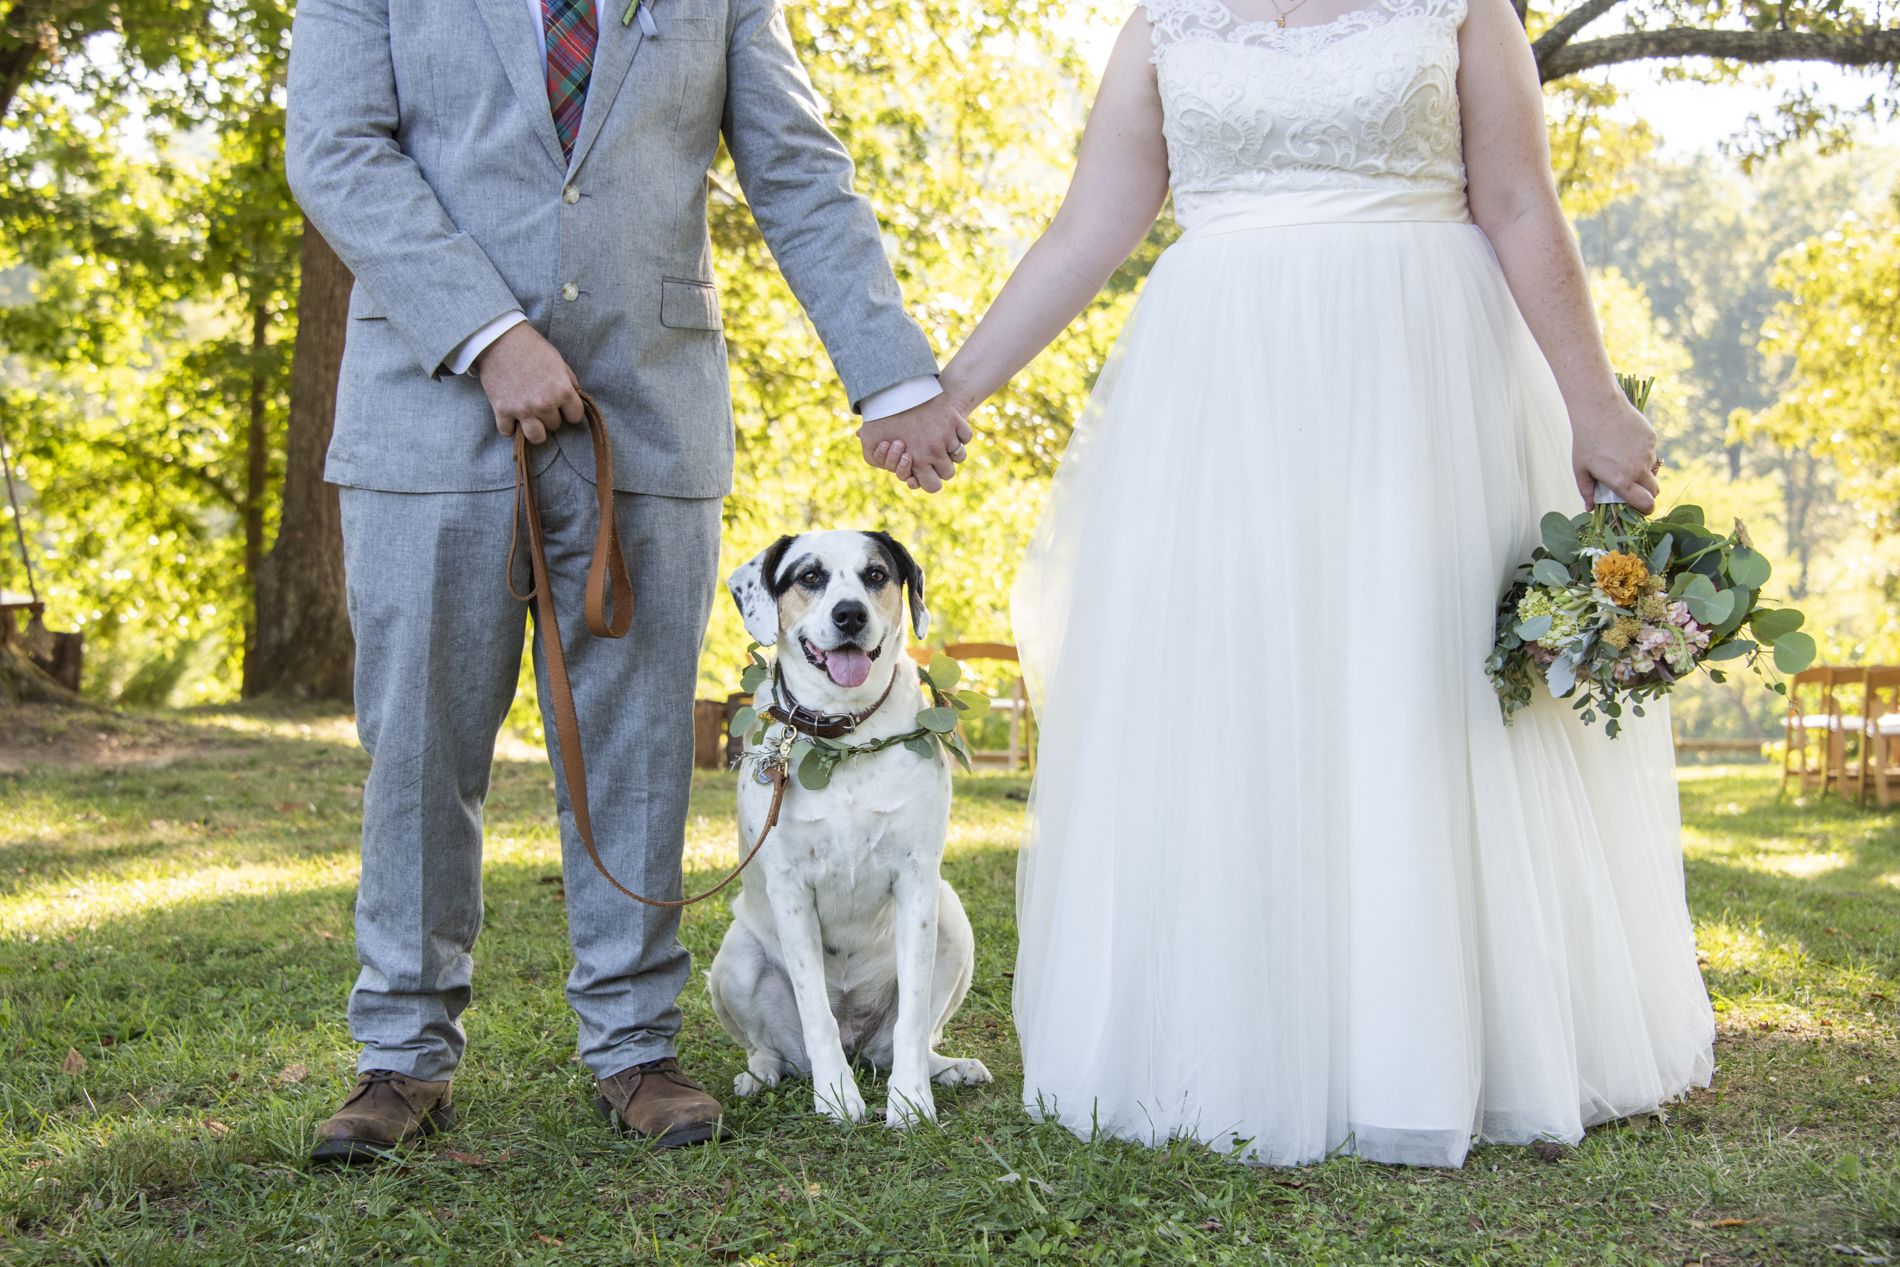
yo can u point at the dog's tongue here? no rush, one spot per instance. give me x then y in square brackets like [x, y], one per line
[848, 667]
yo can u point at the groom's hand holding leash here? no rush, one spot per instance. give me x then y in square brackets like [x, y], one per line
[528, 384]
[921, 446]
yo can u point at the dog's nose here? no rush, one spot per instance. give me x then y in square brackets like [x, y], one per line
[850, 618]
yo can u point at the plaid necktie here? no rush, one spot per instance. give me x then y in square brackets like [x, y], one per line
[571, 33]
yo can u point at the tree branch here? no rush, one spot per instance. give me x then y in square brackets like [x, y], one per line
[1863, 48]
[1568, 25]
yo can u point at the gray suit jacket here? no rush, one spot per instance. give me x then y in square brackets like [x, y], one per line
[421, 145]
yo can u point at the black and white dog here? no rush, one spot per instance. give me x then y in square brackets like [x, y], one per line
[845, 940]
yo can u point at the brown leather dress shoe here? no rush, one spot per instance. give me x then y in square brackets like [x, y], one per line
[658, 1103]
[385, 1110]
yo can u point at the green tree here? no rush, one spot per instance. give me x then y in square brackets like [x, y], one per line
[1839, 333]
[151, 363]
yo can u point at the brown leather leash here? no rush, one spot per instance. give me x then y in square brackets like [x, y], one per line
[608, 566]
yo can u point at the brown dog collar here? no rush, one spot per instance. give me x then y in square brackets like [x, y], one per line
[818, 725]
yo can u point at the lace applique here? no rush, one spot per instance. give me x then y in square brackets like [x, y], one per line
[1367, 101]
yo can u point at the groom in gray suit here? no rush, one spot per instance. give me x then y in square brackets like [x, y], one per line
[519, 188]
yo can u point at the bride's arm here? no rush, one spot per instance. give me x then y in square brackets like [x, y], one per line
[1120, 182]
[1507, 165]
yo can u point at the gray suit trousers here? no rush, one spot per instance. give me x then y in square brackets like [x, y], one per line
[438, 650]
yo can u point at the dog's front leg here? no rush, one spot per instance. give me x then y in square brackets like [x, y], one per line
[915, 896]
[795, 908]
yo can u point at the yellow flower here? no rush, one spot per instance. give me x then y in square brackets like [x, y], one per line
[1623, 577]
[1652, 607]
[1622, 632]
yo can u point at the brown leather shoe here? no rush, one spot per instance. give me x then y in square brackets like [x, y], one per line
[658, 1103]
[385, 1110]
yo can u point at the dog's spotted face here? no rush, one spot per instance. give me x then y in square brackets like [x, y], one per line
[838, 598]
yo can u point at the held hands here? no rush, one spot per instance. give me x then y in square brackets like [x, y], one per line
[1613, 443]
[922, 445]
[528, 384]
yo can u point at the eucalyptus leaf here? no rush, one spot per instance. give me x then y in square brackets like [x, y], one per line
[799, 751]
[753, 678]
[1659, 557]
[1734, 649]
[1748, 568]
[1794, 652]
[1737, 614]
[944, 672]
[743, 721]
[921, 746]
[1550, 572]
[1776, 622]
[1699, 587]
[1561, 676]
[941, 720]
[1685, 514]
[1711, 612]
[975, 702]
[959, 750]
[814, 772]
[1534, 628]
[1560, 537]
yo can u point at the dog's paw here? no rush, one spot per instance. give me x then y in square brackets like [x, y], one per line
[745, 1086]
[961, 1073]
[841, 1101]
[908, 1108]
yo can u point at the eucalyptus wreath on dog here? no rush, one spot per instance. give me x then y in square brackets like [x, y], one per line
[814, 758]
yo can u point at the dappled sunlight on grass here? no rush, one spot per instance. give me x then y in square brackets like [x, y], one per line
[176, 951]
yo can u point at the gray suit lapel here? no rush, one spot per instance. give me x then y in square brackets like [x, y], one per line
[514, 41]
[613, 55]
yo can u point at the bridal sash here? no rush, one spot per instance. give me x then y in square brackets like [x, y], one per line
[1328, 206]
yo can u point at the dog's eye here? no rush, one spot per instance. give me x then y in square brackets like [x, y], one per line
[811, 576]
[876, 576]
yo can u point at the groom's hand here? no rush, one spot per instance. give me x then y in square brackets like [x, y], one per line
[528, 384]
[922, 445]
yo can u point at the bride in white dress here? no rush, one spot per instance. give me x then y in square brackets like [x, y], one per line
[1291, 886]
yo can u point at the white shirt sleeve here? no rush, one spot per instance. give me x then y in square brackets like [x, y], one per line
[900, 396]
[473, 346]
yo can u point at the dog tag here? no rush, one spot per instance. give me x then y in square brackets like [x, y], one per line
[762, 771]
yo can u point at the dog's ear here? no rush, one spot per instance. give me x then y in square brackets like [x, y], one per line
[913, 577]
[754, 591]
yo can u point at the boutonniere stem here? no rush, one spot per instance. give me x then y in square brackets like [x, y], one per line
[640, 9]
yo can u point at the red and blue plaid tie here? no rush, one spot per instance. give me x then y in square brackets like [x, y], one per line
[571, 33]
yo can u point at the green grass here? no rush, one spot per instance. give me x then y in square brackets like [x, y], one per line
[184, 926]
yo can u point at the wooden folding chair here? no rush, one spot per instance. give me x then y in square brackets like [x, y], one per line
[1819, 684]
[1880, 735]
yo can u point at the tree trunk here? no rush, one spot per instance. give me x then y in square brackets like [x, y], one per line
[256, 482]
[303, 646]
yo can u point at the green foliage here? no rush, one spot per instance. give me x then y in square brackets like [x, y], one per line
[153, 354]
[1840, 331]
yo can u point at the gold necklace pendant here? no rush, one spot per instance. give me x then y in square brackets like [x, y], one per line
[1283, 19]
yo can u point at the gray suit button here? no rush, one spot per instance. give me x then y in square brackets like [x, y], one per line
[570, 195]
[570, 291]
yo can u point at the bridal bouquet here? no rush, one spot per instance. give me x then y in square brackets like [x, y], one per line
[1618, 608]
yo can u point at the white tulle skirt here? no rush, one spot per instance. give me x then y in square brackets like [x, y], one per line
[1291, 886]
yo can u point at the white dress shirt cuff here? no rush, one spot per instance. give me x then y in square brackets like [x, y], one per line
[900, 396]
[475, 344]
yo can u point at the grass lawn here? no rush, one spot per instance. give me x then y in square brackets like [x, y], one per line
[175, 949]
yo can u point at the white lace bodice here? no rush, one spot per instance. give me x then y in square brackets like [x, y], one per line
[1368, 101]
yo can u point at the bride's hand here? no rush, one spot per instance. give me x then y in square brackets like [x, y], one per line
[1613, 443]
